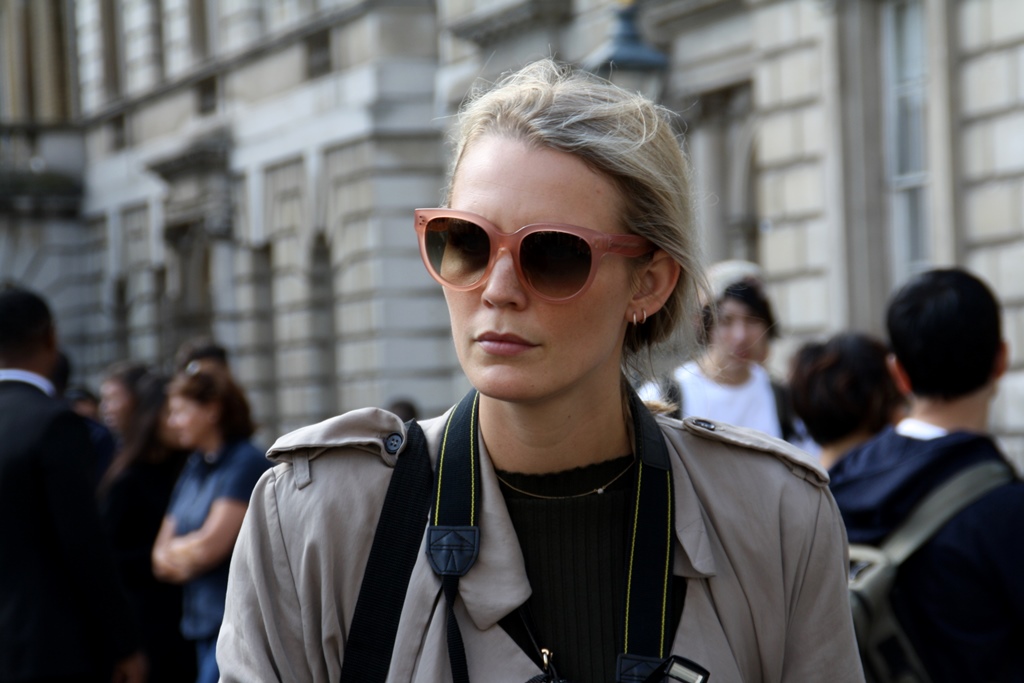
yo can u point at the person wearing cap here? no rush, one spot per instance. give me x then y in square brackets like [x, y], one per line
[728, 382]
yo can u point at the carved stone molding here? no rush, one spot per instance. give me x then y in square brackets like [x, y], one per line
[199, 188]
[662, 11]
[488, 27]
[208, 152]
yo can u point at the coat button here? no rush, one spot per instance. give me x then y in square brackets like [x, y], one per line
[705, 424]
[393, 443]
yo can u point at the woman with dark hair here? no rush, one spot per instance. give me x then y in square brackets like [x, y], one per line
[843, 392]
[119, 395]
[133, 496]
[211, 415]
[119, 398]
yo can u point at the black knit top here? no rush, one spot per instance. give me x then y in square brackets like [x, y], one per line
[575, 553]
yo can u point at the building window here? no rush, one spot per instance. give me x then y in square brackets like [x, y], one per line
[156, 9]
[6, 76]
[206, 96]
[906, 126]
[318, 54]
[118, 130]
[200, 33]
[322, 334]
[59, 45]
[111, 22]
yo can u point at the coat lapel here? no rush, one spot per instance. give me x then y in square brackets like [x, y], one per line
[497, 583]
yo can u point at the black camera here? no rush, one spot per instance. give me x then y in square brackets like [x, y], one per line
[677, 668]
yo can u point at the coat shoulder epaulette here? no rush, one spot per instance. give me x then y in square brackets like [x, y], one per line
[367, 429]
[798, 462]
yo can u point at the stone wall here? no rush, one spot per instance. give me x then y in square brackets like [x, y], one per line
[990, 113]
[286, 196]
[789, 94]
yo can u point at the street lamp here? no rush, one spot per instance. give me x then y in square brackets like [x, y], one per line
[625, 59]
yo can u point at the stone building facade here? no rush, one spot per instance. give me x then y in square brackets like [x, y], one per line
[250, 166]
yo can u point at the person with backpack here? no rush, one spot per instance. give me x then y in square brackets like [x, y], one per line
[959, 598]
[549, 527]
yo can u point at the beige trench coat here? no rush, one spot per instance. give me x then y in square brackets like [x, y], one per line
[759, 539]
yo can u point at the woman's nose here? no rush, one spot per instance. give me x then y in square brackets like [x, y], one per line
[503, 286]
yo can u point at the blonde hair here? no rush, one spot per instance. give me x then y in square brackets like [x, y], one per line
[623, 136]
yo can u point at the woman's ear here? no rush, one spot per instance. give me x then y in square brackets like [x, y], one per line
[654, 284]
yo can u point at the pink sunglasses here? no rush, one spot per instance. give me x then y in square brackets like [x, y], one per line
[555, 262]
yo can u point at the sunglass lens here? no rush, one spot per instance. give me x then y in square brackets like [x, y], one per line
[458, 250]
[556, 264]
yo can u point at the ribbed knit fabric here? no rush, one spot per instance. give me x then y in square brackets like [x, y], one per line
[575, 553]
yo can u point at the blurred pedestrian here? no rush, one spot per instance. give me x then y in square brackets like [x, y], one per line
[63, 616]
[960, 597]
[84, 402]
[404, 408]
[119, 397]
[134, 495]
[202, 350]
[211, 416]
[842, 391]
[728, 381]
[86, 405]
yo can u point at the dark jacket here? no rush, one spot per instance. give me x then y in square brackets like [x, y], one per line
[960, 597]
[131, 510]
[62, 611]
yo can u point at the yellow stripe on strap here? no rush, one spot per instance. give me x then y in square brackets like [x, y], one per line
[632, 553]
[440, 469]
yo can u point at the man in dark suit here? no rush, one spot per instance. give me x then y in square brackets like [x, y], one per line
[63, 616]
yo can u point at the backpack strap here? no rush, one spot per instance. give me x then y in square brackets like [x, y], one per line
[886, 651]
[784, 410]
[942, 504]
[396, 544]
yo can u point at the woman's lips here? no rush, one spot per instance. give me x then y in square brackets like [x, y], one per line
[503, 344]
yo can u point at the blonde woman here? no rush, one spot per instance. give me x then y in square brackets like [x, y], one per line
[571, 535]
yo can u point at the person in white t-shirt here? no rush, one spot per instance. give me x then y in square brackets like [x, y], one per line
[728, 381]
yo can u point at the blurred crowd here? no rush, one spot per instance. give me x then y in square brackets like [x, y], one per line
[173, 490]
[900, 426]
[169, 467]
[837, 393]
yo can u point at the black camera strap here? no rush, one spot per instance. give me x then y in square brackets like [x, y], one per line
[371, 642]
[647, 631]
[453, 537]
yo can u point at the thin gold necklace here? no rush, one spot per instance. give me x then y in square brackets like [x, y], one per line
[599, 490]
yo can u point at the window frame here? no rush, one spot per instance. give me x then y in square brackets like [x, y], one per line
[901, 186]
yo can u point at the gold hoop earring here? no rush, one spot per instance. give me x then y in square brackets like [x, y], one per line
[634, 318]
[645, 316]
